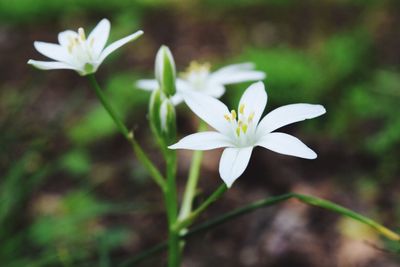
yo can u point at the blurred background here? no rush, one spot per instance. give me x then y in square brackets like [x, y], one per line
[73, 194]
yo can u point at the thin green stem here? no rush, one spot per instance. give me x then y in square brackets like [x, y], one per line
[171, 202]
[193, 178]
[155, 174]
[310, 200]
[322, 203]
[103, 99]
[189, 219]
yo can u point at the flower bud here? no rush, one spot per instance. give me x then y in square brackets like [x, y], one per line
[165, 71]
[162, 118]
[168, 120]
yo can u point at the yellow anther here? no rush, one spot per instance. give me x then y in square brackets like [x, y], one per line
[233, 114]
[250, 118]
[244, 128]
[91, 42]
[195, 66]
[241, 109]
[238, 131]
[226, 116]
[81, 33]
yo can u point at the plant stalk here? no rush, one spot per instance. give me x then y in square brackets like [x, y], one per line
[193, 178]
[142, 156]
[310, 200]
[171, 203]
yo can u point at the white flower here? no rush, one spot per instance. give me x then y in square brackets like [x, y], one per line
[239, 132]
[76, 52]
[199, 78]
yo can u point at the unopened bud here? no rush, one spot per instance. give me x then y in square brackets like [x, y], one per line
[165, 71]
[162, 118]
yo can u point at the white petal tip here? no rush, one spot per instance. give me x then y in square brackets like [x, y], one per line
[259, 83]
[136, 35]
[322, 109]
[312, 156]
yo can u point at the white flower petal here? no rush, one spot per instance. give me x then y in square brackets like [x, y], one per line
[65, 37]
[147, 84]
[286, 144]
[254, 100]
[237, 73]
[237, 77]
[233, 163]
[209, 109]
[202, 141]
[97, 39]
[214, 90]
[288, 114]
[235, 67]
[50, 65]
[183, 86]
[53, 51]
[176, 99]
[117, 44]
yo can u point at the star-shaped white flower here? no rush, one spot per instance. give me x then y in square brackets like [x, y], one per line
[76, 52]
[199, 78]
[239, 132]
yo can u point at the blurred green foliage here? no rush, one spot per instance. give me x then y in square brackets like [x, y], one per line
[339, 68]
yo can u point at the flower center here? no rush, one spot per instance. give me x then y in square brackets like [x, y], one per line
[81, 50]
[197, 74]
[242, 122]
[77, 41]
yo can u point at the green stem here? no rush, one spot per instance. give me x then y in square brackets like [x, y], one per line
[155, 174]
[103, 99]
[171, 202]
[189, 219]
[322, 203]
[310, 200]
[191, 185]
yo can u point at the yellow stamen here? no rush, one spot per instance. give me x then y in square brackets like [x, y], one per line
[91, 42]
[226, 116]
[241, 109]
[238, 131]
[233, 114]
[251, 116]
[81, 33]
[244, 128]
[195, 66]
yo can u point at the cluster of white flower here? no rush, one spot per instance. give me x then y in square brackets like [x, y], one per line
[237, 131]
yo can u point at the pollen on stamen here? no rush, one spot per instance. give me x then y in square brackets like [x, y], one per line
[226, 116]
[244, 128]
[250, 118]
[233, 114]
[241, 109]
[238, 131]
